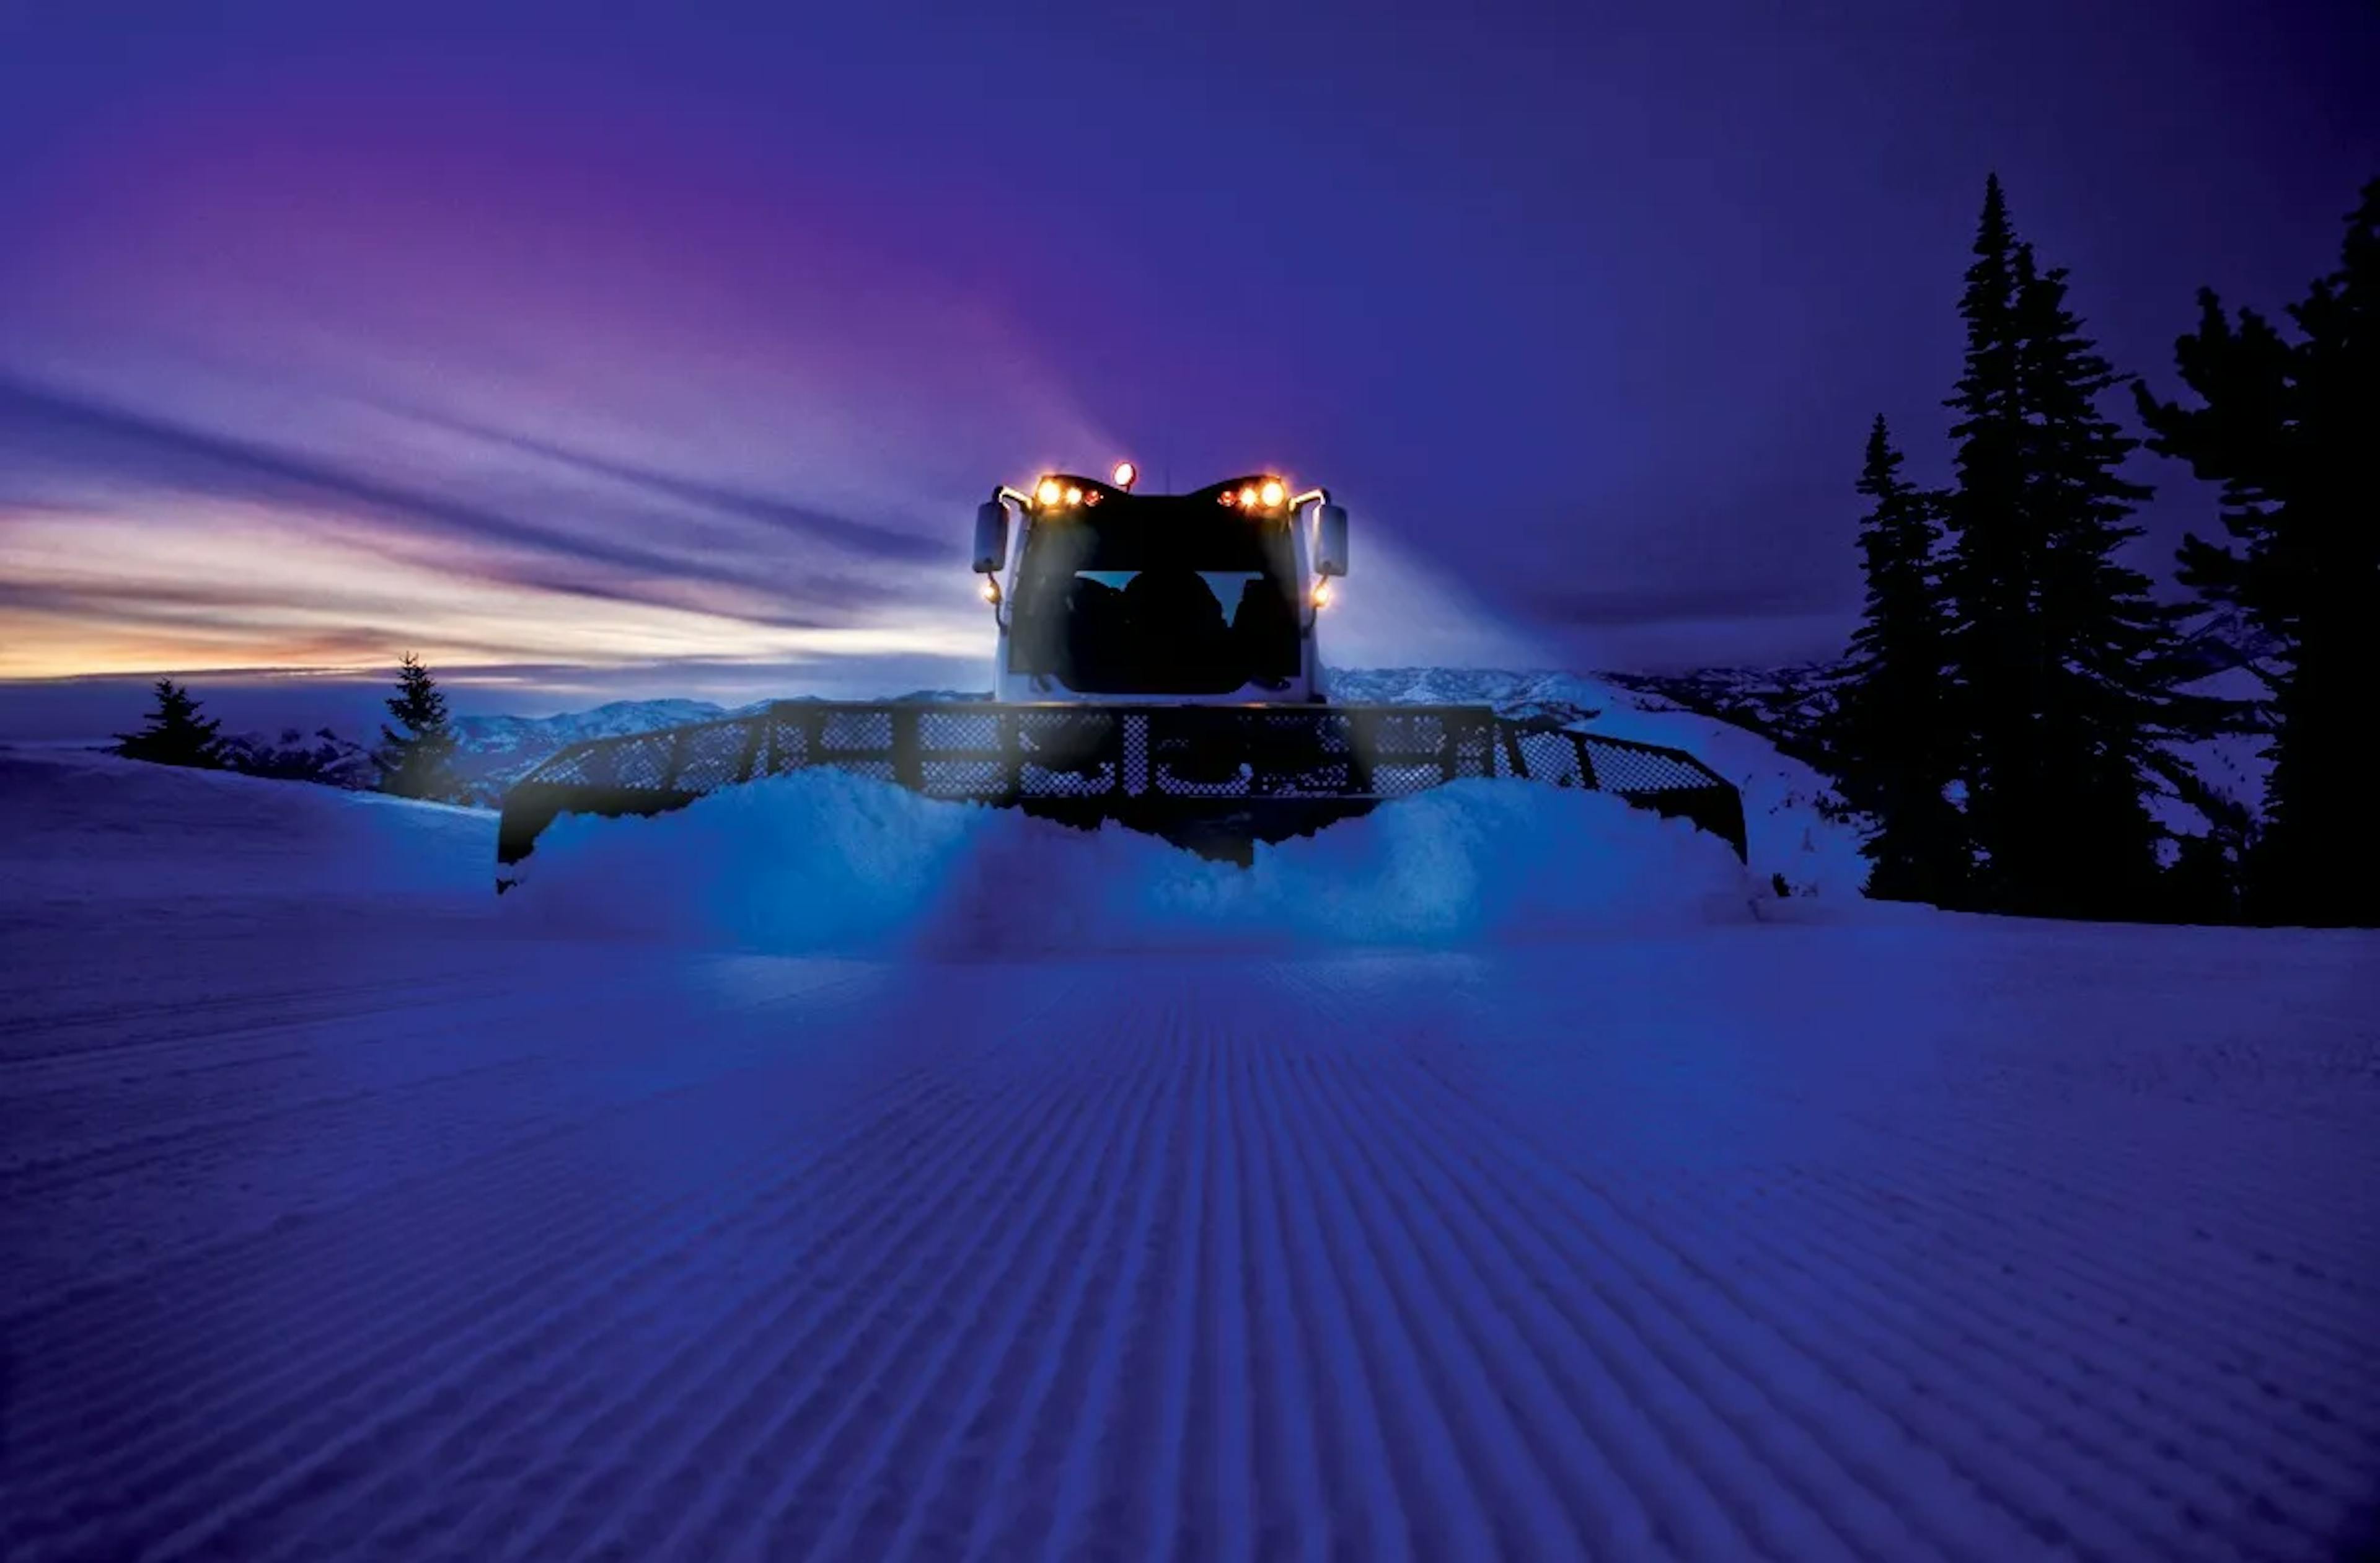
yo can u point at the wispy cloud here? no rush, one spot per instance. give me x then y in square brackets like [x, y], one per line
[80, 437]
[781, 514]
[114, 515]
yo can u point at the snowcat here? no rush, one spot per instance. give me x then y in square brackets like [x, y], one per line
[1157, 665]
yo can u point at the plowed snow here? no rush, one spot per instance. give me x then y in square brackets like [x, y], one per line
[336, 1229]
[826, 860]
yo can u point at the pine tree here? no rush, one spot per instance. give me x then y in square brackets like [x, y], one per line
[176, 733]
[1987, 578]
[2108, 647]
[418, 762]
[2056, 653]
[1890, 738]
[2288, 428]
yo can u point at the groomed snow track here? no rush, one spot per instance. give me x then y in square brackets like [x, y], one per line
[336, 1231]
[1143, 1258]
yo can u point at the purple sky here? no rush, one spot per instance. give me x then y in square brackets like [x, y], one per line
[655, 354]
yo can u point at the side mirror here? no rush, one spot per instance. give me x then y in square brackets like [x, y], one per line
[991, 537]
[1330, 541]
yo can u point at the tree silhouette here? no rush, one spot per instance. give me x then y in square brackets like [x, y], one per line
[1890, 737]
[2060, 659]
[2109, 646]
[1987, 579]
[418, 762]
[175, 734]
[2288, 428]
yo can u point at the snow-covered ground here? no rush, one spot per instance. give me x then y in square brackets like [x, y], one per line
[347, 1211]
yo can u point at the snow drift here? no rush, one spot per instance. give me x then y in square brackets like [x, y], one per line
[85, 827]
[1790, 830]
[825, 860]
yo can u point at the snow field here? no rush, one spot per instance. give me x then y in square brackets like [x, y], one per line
[91, 828]
[333, 1227]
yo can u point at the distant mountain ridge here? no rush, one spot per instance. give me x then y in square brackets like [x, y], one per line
[493, 752]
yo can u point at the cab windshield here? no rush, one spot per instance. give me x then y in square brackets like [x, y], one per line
[1135, 603]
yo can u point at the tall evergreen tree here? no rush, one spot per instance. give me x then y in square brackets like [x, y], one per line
[1987, 579]
[2108, 647]
[1890, 738]
[176, 733]
[2056, 652]
[418, 762]
[2289, 429]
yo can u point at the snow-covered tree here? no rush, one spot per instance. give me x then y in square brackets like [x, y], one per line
[175, 734]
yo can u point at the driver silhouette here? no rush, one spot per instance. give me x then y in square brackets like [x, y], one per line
[1178, 624]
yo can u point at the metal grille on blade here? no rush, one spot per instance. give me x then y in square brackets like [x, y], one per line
[712, 757]
[857, 730]
[642, 762]
[1629, 769]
